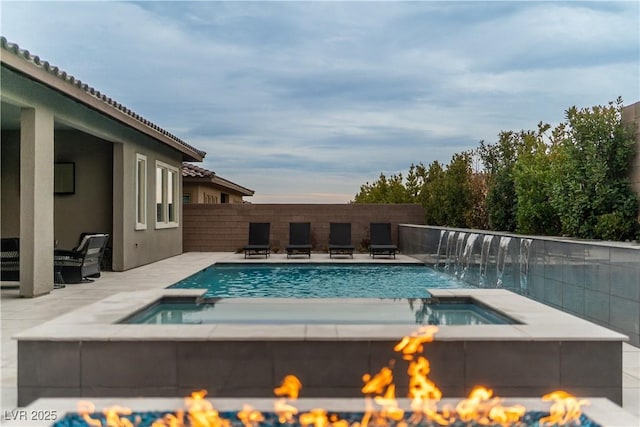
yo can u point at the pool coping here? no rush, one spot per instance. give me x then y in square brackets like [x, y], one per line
[98, 322]
[599, 410]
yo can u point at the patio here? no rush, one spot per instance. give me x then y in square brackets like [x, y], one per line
[20, 314]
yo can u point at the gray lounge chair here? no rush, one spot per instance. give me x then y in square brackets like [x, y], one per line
[381, 243]
[299, 239]
[340, 239]
[258, 239]
[82, 262]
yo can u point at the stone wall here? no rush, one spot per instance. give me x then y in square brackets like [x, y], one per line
[225, 227]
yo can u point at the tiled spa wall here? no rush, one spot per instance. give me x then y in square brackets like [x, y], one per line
[598, 281]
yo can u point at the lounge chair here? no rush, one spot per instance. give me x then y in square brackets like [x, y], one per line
[82, 262]
[258, 239]
[340, 239]
[381, 243]
[10, 259]
[299, 239]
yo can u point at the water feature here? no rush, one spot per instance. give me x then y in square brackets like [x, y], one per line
[443, 233]
[523, 260]
[503, 251]
[467, 254]
[451, 247]
[458, 254]
[484, 258]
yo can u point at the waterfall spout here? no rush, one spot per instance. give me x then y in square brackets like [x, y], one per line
[443, 233]
[484, 258]
[451, 247]
[502, 257]
[525, 246]
[459, 250]
[466, 255]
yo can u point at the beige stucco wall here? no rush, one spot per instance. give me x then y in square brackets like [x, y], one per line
[90, 209]
[631, 114]
[141, 247]
[131, 248]
[10, 184]
[198, 192]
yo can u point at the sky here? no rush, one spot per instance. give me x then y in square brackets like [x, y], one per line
[303, 102]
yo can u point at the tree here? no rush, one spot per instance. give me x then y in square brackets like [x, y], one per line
[457, 183]
[433, 195]
[498, 160]
[590, 190]
[415, 181]
[532, 175]
[384, 190]
[447, 196]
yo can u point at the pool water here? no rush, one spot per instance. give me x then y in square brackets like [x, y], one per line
[319, 311]
[319, 280]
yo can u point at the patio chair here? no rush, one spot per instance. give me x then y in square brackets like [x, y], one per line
[104, 252]
[381, 243]
[340, 239]
[10, 259]
[299, 239]
[77, 265]
[258, 239]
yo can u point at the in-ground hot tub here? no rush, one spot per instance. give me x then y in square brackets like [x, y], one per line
[90, 353]
[414, 311]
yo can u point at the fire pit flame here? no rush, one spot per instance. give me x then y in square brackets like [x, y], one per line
[290, 388]
[381, 410]
[565, 408]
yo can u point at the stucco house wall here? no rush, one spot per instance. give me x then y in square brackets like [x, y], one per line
[141, 247]
[198, 193]
[631, 115]
[48, 117]
[93, 182]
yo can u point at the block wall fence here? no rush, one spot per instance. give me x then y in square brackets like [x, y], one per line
[225, 227]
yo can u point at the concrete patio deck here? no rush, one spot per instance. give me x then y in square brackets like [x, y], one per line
[19, 314]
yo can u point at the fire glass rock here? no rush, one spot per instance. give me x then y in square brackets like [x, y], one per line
[146, 419]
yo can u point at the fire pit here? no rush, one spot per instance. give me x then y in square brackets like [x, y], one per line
[424, 408]
[599, 412]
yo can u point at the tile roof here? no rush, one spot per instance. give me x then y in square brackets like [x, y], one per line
[193, 171]
[71, 80]
[189, 170]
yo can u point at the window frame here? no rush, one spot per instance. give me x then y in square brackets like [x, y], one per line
[141, 192]
[164, 179]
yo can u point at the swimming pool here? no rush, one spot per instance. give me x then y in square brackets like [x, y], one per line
[318, 280]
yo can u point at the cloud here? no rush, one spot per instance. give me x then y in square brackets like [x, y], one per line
[314, 98]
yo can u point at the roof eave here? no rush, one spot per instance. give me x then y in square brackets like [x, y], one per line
[232, 185]
[93, 99]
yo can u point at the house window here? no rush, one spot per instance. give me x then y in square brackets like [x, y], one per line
[186, 198]
[141, 192]
[224, 198]
[166, 195]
